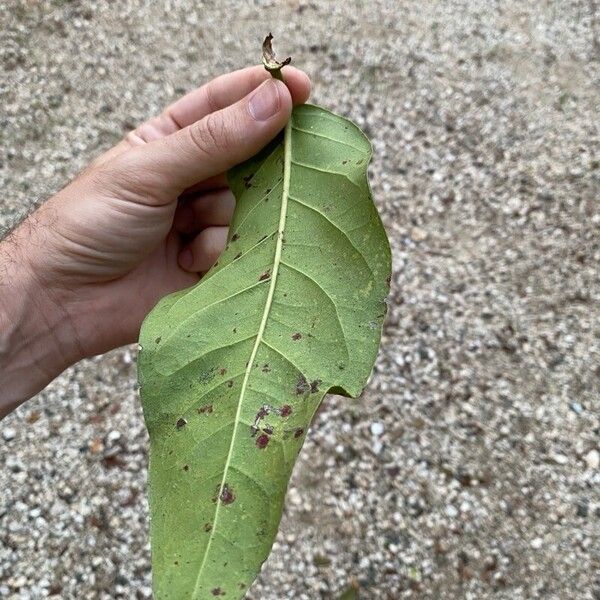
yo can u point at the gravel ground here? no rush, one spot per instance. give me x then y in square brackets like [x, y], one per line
[470, 466]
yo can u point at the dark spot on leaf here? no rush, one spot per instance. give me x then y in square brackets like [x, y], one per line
[247, 180]
[223, 371]
[297, 336]
[299, 431]
[268, 191]
[242, 585]
[207, 527]
[157, 340]
[235, 330]
[266, 368]
[344, 162]
[314, 386]
[235, 237]
[262, 441]
[217, 592]
[302, 386]
[268, 430]
[230, 383]
[237, 256]
[286, 410]
[341, 367]
[175, 562]
[206, 409]
[265, 275]
[207, 375]
[181, 423]
[227, 496]
[186, 467]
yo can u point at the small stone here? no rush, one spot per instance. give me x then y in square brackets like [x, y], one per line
[592, 459]
[583, 508]
[9, 434]
[576, 408]
[377, 428]
[417, 234]
[560, 459]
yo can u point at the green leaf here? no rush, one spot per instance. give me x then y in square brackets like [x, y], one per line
[233, 369]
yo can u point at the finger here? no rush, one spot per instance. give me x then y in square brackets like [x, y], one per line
[212, 183]
[215, 95]
[166, 167]
[228, 89]
[204, 250]
[213, 208]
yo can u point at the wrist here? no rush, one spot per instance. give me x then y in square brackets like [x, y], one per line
[37, 340]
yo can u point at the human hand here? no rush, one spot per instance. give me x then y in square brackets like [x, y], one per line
[145, 219]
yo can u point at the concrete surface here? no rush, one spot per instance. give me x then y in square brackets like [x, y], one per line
[469, 469]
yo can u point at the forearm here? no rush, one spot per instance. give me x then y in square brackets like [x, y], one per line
[36, 338]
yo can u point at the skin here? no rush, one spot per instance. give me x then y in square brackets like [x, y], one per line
[145, 219]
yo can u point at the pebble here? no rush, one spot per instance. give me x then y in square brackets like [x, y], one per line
[592, 459]
[417, 234]
[9, 434]
[377, 428]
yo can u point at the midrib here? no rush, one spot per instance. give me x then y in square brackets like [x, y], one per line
[287, 155]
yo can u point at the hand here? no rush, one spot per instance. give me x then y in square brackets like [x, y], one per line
[145, 219]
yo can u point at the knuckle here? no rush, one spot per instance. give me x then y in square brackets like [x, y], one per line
[210, 134]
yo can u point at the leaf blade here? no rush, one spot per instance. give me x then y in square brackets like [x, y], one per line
[242, 385]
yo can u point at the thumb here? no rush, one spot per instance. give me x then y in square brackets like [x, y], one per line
[222, 139]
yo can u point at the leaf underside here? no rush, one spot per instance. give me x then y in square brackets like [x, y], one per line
[233, 369]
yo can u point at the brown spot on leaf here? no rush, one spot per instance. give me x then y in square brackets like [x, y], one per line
[262, 441]
[268, 191]
[227, 496]
[299, 431]
[206, 409]
[186, 467]
[314, 386]
[230, 383]
[207, 527]
[302, 386]
[235, 237]
[247, 180]
[297, 336]
[217, 592]
[265, 275]
[266, 368]
[344, 162]
[223, 371]
[157, 340]
[286, 410]
[181, 423]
